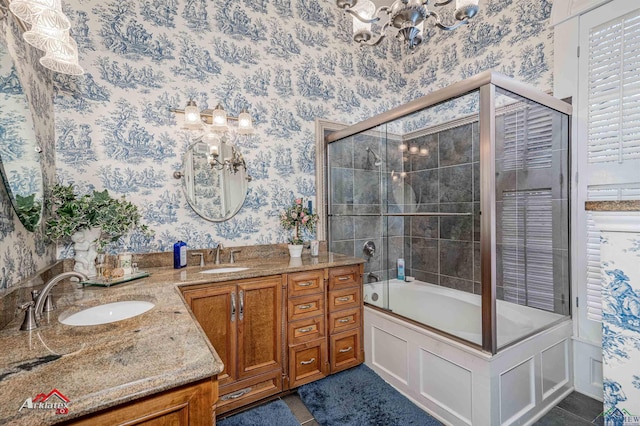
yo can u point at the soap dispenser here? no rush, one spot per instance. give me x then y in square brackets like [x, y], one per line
[179, 255]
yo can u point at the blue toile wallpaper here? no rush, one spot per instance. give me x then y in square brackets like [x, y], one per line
[22, 253]
[287, 61]
[620, 254]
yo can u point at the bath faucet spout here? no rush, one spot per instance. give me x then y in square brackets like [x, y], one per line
[52, 283]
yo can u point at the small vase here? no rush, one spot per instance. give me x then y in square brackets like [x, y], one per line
[295, 250]
[84, 246]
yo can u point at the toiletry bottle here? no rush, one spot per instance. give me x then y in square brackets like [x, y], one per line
[179, 255]
[401, 269]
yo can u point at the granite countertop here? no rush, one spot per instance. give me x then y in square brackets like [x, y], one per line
[613, 206]
[97, 367]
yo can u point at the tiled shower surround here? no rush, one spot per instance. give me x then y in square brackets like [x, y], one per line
[438, 171]
[438, 250]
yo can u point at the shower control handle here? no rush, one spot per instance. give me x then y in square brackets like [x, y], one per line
[345, 350]
[307, 362]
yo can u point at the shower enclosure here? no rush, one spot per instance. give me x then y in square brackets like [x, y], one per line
[467, 186]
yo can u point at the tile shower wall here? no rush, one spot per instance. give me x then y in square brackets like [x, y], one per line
[443, 250]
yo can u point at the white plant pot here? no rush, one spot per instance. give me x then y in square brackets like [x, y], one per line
[84, 246]
[295, 250]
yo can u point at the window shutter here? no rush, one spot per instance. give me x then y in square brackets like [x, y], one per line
[528, 138]
[613, 128]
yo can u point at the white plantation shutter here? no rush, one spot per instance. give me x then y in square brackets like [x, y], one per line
[612, 112]
[527, 223]
[614, 90]
[528, 138]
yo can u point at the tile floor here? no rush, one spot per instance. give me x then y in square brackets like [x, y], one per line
[575, 410]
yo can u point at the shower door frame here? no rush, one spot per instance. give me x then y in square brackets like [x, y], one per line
[486, 83]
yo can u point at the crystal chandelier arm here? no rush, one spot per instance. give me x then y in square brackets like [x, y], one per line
[375, 18]
[442, 26]
[442, 3]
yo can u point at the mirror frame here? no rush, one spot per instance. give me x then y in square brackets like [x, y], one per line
[184, 175]
[31, 216]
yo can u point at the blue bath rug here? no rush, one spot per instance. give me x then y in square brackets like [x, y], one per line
[359, 397]
[275, 413]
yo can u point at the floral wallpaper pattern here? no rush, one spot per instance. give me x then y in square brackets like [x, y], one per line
[620, 254]
[287, 61]
[22, 253]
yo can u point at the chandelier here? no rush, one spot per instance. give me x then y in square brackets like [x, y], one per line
[406, 16]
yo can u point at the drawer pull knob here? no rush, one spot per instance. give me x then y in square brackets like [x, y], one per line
[305, 330]
[312, 360]
[344, 320]
[345, 350]
[343, 299]
[307, 306]
[307, 284]
[236, 394]
[343, 278]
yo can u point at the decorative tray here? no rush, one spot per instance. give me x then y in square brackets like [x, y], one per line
[107, 282]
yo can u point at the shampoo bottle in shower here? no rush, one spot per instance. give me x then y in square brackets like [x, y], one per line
[401, 269]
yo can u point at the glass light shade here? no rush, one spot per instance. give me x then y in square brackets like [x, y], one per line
[413, 149]
[245, 124]
[64, 61]
[366, 9]
[211, 139]
[219, 119]
[465, 3]
[44, 35]
[402, 147]
[192, 120]
[33, 10]
[424, 152]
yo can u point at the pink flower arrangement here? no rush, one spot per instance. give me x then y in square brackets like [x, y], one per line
[298, 217]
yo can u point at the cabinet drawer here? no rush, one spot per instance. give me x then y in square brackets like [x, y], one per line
[246, 391]
[304, 283]
[348, 276]
[344, 320]
[345, 350]
[305, 330]
[305, 306]
[307, 362]
[344, 299]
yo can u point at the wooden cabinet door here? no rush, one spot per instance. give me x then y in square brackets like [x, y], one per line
[259, 326]
[215, 308]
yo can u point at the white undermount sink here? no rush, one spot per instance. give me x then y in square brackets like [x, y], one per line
[109, 312]
[225, 270]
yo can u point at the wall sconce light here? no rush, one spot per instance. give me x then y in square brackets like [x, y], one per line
[214, 121]
[49, 32]
[217, 147]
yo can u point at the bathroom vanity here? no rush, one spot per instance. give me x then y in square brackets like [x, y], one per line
[212, 343]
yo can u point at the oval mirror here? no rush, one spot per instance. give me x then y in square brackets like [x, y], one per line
[215, 179]
[19, 151]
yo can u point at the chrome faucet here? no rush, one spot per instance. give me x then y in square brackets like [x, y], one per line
[201, 257]
[50, 284]
[42, 300]
[232, 258]
[220, 247]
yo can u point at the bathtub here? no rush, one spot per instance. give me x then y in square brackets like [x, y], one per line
[458, 383]
[456, 312]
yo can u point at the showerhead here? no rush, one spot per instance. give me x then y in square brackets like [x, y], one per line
[378, 160]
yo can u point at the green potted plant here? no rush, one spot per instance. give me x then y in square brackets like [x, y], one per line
[297, 217]
[90, 221]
